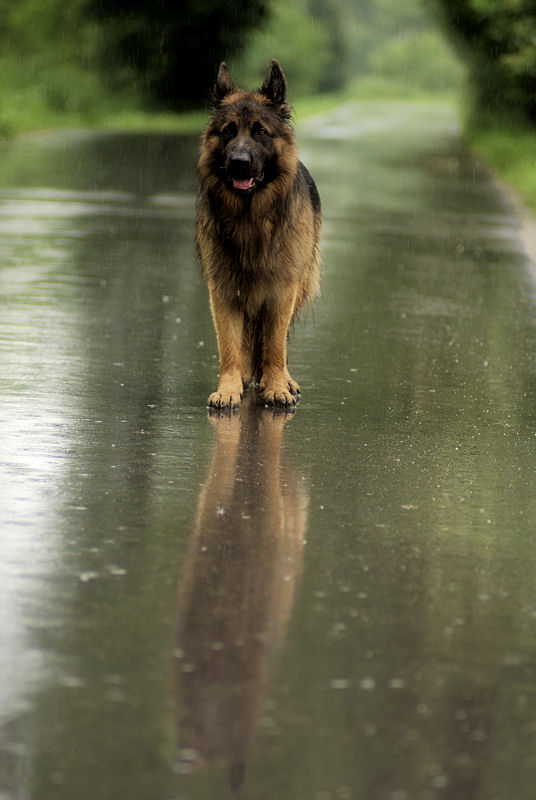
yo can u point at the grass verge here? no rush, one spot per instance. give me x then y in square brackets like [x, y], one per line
[510, 150]
[58, 105]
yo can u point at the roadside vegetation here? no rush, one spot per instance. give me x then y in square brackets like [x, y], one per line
[509, 148]
[137, 64]
[134, 64]
[497, 41]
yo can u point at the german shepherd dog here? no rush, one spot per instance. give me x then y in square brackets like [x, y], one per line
[258, 226]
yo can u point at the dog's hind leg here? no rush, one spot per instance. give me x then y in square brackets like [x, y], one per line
[229, 324]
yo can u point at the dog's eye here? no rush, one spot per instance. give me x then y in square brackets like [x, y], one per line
[229, 132]
[258, 130]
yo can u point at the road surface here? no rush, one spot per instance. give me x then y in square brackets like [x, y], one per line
[336, 604]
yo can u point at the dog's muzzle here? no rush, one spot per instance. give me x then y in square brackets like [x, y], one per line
[241, 172]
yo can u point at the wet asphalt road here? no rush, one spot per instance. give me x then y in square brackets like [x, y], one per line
[336, 604]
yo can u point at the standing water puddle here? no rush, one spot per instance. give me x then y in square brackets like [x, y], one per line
[337, 603]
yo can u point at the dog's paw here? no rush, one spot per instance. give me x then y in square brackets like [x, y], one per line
[293, 387]
[223, 399]
[280, 397]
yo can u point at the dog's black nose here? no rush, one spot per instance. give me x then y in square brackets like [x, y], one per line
[240, 166]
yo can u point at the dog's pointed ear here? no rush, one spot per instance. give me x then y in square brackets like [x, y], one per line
[224, 84]
[275, 85]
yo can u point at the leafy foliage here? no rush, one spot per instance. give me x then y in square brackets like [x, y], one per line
[173, 47]
[304, 55]
[66, 61]
[323, 44]
[498, 39]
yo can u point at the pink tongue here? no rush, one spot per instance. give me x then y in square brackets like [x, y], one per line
[247, 184]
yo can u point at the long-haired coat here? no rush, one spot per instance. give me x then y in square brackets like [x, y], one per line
[258, 228]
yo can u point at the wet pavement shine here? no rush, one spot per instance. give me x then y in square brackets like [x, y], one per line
[335, 604]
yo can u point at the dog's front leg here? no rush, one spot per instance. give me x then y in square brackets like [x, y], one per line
[277, 386]
[229, 324]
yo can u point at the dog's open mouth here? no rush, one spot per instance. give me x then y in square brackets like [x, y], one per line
[247, 184]
[242, 184]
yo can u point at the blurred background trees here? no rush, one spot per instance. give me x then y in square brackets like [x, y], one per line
[84, 57]
[498, 40]
[169, 49]
[325, 44]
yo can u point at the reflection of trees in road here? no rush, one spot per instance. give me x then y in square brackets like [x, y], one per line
[428, 342]
[236, 589]
[105, 266]
[410, 666]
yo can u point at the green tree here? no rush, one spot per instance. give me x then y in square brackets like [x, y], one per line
[47, 55]
[173, 48]
[304, 56]
[498, 39]
[322, 44]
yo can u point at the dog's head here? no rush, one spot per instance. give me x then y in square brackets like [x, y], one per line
[249, 131]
